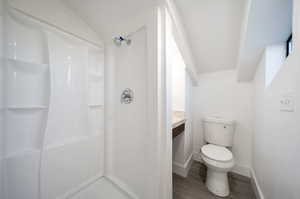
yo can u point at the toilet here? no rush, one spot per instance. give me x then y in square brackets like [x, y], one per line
[218, 134]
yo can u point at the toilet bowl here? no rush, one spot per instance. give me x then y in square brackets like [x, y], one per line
[219, 161]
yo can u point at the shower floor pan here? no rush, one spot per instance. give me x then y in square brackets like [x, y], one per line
[101, 189]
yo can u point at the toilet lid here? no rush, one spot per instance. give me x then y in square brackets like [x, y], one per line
[217, 153]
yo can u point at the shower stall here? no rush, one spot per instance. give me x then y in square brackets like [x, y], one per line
[53, 110]
[58, 137]
[80, 117]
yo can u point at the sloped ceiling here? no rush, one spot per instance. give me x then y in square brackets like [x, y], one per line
[219, 34]
[269, 22]
[105, 16]
[213, 28]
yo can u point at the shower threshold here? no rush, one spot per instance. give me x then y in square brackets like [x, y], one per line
[103, 188]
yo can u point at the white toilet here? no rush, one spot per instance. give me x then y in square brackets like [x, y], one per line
[218, 134]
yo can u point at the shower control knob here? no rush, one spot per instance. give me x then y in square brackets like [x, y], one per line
[127, 96]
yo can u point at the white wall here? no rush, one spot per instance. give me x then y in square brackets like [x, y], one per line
[131, 143]
[276, 142]
[178, 81]
[1, 100]
[182, 41]
[274, 57]
[188, 151]
[178, 91]
[181, 86]
[276, 137]
[219, 94]
[183, 144]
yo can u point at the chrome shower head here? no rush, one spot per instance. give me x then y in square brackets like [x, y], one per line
[118, 40]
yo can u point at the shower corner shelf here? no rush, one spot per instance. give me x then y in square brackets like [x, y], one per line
[27, 64]
[26, 108]
[21, 153]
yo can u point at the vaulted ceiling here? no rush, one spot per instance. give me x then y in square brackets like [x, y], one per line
[213, 28]
[222, 34]
[106, 16]
[232, 34]
[268, 22]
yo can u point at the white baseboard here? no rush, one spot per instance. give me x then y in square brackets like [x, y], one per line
[241, 170]
[183, 169]
[257, 190]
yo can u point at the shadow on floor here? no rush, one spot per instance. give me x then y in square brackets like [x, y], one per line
[193, 187]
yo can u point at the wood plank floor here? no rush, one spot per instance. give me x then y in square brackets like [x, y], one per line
[193, 187]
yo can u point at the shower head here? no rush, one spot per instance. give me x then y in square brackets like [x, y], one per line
[118, 40]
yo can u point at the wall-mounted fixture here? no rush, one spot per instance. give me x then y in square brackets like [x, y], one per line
[119, 40]
[127, 96]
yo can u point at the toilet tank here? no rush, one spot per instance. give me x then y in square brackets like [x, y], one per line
[219, 131]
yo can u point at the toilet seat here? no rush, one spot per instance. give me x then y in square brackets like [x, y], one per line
[217, 153]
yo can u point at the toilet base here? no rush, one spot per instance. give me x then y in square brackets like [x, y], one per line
[217, 182]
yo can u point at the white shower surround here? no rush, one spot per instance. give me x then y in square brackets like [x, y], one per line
[132, 149]
[50, 155]
[52, 117]
[131, 144]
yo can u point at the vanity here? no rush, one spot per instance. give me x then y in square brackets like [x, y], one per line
[178, 123]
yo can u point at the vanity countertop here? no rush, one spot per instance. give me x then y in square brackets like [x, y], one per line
[178, 118]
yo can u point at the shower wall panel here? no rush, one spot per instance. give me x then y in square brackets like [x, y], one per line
[53, 111]
[131, 146]
[26, 105]
[74, 142]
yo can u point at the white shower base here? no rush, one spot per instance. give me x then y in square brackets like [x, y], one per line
[102, 189]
